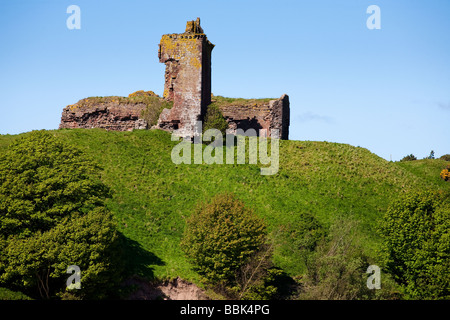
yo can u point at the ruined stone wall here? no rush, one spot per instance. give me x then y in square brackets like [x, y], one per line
[106, 115]
[187, 57]
[122, 114]
[187, 77]
[269, 115]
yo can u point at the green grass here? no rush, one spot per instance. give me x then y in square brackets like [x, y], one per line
[6, 294]
[224, 101]
[152, 196]
[5, 140]
[95, 101]
[426, 169]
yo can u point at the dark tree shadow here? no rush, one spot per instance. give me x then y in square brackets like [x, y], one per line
[287, 287]
[138, 276]
[138, 262]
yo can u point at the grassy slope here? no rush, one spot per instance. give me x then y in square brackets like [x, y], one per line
[152, 196]
[427, 169]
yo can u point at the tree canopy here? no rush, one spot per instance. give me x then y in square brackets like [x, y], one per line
[416, 247]
[221, 235]
[53, 215]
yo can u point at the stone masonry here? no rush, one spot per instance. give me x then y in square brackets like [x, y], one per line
[109, 115]
[187, 78]
[187, 57]
[259, 116]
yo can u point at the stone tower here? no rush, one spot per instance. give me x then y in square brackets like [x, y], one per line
[187, 78]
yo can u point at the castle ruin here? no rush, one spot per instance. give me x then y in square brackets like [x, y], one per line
[187, 57]
[187, 78]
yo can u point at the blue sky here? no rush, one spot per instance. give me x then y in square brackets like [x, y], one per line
[386, 90]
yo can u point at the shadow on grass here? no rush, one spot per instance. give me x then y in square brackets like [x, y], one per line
[138, 262]
[138, 276]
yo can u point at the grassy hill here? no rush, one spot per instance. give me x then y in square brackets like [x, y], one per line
[152, 196]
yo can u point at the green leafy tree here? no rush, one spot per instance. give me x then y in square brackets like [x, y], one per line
[301, 236]
[409, 157]
[416, 245]
[336, 270]
[221, 236]
[52, 215]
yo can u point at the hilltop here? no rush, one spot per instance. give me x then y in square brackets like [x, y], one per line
[152, 196]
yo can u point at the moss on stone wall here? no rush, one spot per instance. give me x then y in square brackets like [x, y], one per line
[225, 102]
[140, 110]
[148, 98]
[178, 46]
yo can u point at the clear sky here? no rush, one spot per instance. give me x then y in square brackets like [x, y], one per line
[387, 90]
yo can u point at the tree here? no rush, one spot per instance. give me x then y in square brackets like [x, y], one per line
[409, 157]
[431, 156]
[221, 236]
[416, 244]
[336, 270]
[52, 215]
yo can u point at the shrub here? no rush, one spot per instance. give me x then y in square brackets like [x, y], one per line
[255, 279]
[416, 244]
[336, 271]
[214, 119]
[302, 235]
[221, 236]
[6, 294]
[445, 157]
[154, 107]
[445, 173]
[409, 157]
[52, 215]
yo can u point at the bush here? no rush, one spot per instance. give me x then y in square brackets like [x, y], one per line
[445, 157]
[445, 173]
[409, 157]
[336, 271]
[256, 278]
[214, 119]
[52, 215]
[302, 235]
[154, 107]
[221, 236]
[6, 294]
[416, 244]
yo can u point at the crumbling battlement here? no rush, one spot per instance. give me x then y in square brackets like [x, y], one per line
[137, 111]
[187, 88]
[187, 57]
[109, 115]
[273, 114]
